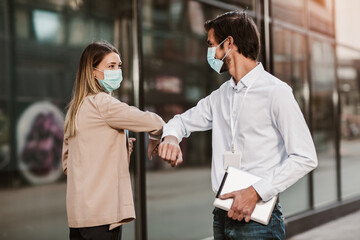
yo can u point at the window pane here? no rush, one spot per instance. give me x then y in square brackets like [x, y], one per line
[348, 65]
[290, 62]
[321, 16]
[49, 39]
[346, 14]
[2, 14]
[4, 96]
[290, 67]
[291, 11]
[323, 83]
[245, 4]
[177, 76]
[48, 26]
[4, 62]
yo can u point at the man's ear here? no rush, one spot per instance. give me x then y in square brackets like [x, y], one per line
[231, 44]
[230, 41]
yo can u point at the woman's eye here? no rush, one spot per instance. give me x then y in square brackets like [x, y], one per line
[119, 66]
[111, 66]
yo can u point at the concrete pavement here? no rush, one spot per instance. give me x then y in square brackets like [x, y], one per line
[344, 228]
[179, 205]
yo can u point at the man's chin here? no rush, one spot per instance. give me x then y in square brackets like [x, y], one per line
[224, 69]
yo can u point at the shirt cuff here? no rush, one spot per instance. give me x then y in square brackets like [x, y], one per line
[264, 189]
[172, 133]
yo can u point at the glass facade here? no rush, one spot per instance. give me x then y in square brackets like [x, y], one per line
[349, 83]
[313, 49]
[290, 65]
[175, 69]
[4, 93]
[292, 11]
[348, 73]
[41, 42]
[323, 121]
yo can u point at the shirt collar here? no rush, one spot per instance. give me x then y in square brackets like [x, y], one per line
[248, 79]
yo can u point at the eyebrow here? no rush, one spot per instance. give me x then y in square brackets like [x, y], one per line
[114, 63]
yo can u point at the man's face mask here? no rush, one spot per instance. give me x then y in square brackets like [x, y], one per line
[214, 63]
[112, 79]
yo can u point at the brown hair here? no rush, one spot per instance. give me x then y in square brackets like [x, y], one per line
[85, 83]
[241, 27]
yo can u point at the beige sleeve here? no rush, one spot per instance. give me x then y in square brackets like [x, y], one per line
[65, 153]
[119, 115]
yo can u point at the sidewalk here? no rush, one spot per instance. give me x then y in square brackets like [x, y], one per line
[344, 228]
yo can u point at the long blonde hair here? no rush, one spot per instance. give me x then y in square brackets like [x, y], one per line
[85, 83]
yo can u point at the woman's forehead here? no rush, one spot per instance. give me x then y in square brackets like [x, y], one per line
[111, 57]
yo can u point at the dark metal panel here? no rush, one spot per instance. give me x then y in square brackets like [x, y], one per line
[140, 171]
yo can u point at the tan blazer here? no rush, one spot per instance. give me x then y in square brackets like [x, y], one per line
[96, 161]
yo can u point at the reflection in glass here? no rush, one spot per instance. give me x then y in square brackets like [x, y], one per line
[49, 37]
[22, 24]
[349, 83]
[292, 11]
[290, 66]
[177, 76]
[345, 16]
[321, 16]
[245, 4]
[48, 26]
[2, 14]
[4, 137]
[4, 63]
[85, 30]
[323, 127]
[290, 62]
[39, 142]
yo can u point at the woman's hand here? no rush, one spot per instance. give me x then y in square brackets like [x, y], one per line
[153, 148]
[131, 144]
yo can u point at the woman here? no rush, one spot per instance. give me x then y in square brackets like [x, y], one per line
[95, 150]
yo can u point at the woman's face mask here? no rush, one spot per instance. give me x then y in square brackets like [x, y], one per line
[214, 63]
[112, 79]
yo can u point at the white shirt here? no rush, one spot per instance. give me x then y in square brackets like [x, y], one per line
[271, 132]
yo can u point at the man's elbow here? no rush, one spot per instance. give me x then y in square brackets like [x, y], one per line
[313, 163]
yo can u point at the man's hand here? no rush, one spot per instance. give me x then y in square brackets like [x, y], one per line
[170, 151]
[243, 204]
[152, 148]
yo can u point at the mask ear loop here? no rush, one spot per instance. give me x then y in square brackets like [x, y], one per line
[227, 51]
[226, 54]
[98, 69]
[221, 42]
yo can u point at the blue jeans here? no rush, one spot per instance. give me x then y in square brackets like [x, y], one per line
[226, 228]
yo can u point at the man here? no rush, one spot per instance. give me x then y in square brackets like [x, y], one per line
[255, 120]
